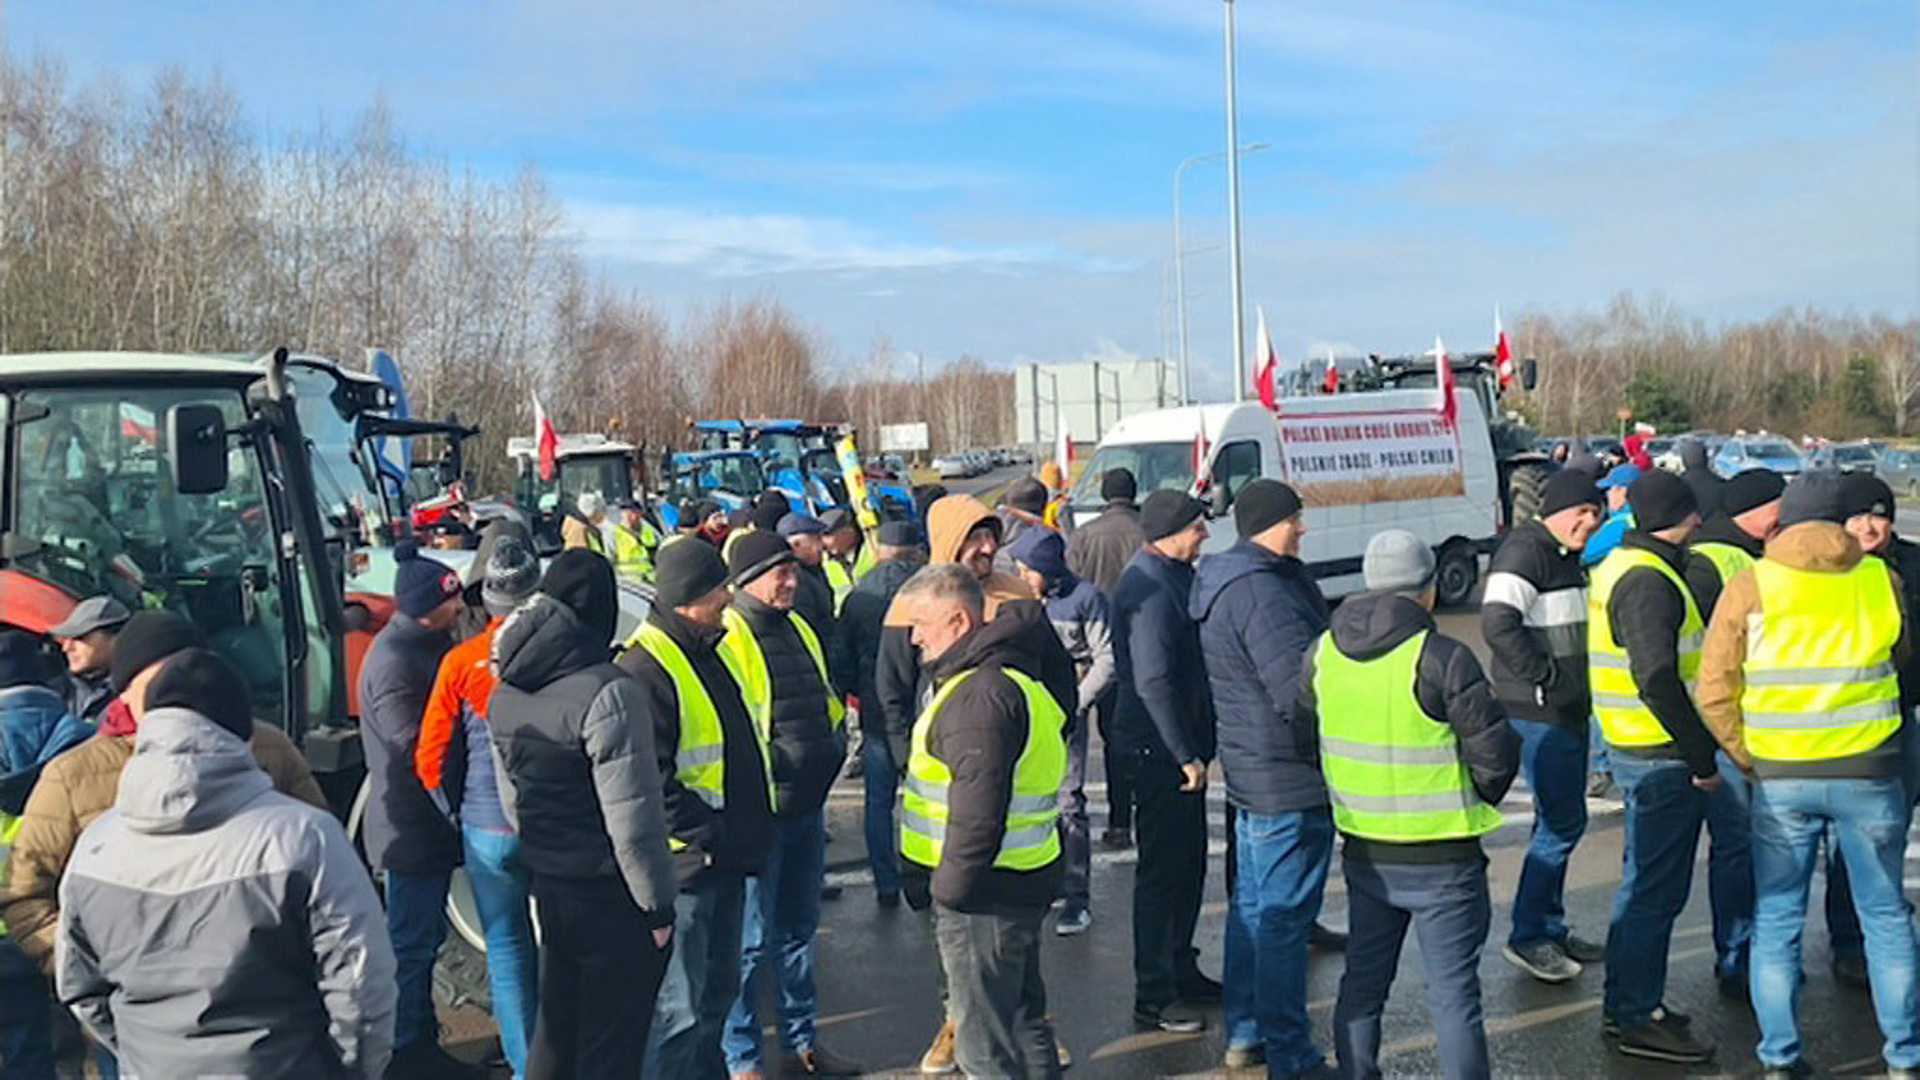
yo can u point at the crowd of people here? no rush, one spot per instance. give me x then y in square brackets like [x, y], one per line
[1739, 652]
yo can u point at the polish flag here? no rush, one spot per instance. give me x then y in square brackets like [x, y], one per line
[1200, 477]
[1062, 445]
[1443, 371]
[1502, 352]
[1266, 363]
[1332, 383]
[545, 439]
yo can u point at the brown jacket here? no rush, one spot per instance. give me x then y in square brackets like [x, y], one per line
[78, 786]
[1817, 546]
[949, 520]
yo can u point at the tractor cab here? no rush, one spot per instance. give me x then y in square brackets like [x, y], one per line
[729, 477]
[582, 463]
[180, 483]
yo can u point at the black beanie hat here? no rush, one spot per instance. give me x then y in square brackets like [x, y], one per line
[1868, 494]
[1750, 490]
[768, 508]
[150, 636]
[1167, 512]
[1567, 489]
[755, 554]
[1118, 485]
[1660, 500]
[582, 580]
[685, 572]
[200, 681]
[1027, 494]
[1819, 495]
[1261, 505]
[421, 584]
[22, 660]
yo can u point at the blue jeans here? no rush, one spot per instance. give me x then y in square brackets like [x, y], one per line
[1280, 877]
[1597, 748]
[1869, 818]
[500, 893]
[416, 924]
[26, 1012]
[1663, 819]
[1554, 761]
[702, 980]
[1844, 937]
[782, 913]
[1448, 905]
[883, 843]
[1730, 869]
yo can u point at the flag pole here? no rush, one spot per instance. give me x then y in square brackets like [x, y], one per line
[1233, 220]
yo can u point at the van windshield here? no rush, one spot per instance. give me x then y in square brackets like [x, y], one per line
[1156, 466]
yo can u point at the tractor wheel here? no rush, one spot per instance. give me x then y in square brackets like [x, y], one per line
[1527, 492]
[1457, 572]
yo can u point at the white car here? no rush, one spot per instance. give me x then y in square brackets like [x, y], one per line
[953, 466]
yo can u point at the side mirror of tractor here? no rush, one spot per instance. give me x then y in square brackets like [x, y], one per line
[197, 449]
[1529, 374]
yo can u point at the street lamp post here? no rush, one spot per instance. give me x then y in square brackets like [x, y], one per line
[1179, 258]
[1233, 221]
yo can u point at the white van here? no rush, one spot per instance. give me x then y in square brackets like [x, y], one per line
[1362, 462]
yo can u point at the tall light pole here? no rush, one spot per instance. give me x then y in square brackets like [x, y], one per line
[1233, 221]
[1179, 256]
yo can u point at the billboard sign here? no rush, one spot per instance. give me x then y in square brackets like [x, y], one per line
[903, 438]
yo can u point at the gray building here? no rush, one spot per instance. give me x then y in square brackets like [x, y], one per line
[1090, 396]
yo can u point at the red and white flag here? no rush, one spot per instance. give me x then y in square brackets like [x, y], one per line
[1443, 370]
[545, 439]
[1266, 363]
[1200, 477]
[1062, 445]
[1331, 384]
[1502, 352]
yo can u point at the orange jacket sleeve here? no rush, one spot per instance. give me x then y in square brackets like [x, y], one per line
[437, 725]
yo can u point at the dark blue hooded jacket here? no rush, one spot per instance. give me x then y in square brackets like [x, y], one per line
[1259, 613]
[1164, 709]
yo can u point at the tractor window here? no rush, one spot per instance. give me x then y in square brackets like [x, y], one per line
[1236, 465]
[605, 473]
[348, 501]
[781, 449]
[94, 511]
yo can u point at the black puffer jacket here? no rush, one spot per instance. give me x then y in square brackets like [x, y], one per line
[980, 734]
[1533, 615]
[1165, 706]
[861, 620]
[576, 737]
[737, 837]
[1451, 690]
[807, 750]
[814, 601]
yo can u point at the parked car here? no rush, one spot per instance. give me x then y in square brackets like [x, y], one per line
[1900, 468]
[1846, 457]
[954, 466]
[1744, 452]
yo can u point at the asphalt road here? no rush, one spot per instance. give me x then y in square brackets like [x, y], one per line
[879, 1003]
[988, 482]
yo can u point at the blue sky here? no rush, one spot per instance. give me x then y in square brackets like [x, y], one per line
[993, 176]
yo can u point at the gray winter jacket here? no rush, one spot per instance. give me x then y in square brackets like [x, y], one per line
[212, 926]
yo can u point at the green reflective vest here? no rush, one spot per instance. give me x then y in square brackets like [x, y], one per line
[9, 828]
[1726, 558]
[1624, 719]
[1819, 674]
[742, 654]
[633, 553]
[1032, 836]
[1393, 772]
[843, 576]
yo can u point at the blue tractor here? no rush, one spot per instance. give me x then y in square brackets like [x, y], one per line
[803, 461]
[729, 477]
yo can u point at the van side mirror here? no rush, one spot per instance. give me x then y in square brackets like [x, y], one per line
[1529, 374]
[1219, 501]
[197, 449]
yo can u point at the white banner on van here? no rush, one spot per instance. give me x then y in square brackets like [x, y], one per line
[1343, 459]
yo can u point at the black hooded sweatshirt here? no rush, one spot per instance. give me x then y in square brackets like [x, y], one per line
[1451, 690]
[979, 734]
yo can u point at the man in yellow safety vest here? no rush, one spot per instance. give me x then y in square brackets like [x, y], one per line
[1643, 650]
[986, 833]
[718, 804]
[780, 665]
[1417, 755]
[634, 543]
[1799, 682]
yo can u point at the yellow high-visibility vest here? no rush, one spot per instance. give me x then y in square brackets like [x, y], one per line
[1819, 675]
[1624, 718]
[1032, 836]
[9, 828]
[741, 652]
[1728, 559]
[633, 553]
[1393, 773]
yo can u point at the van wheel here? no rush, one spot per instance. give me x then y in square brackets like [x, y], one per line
[460, 975]
[1458, 571]
[1527, 492]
